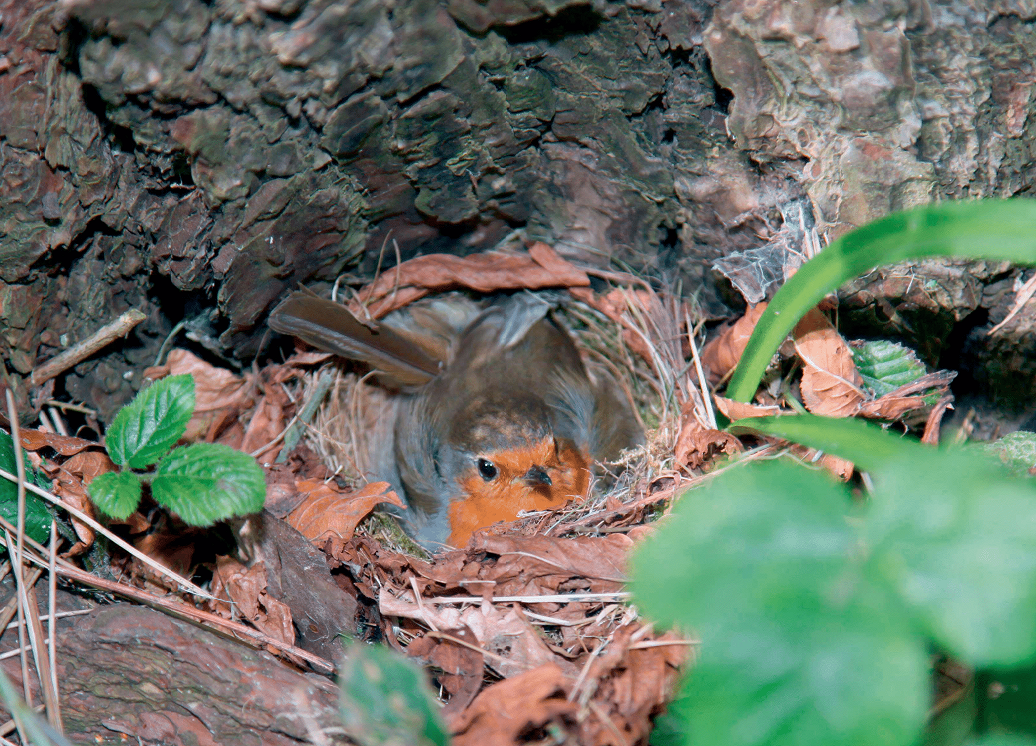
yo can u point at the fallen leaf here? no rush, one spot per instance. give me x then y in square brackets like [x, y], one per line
[461, 666]
[513, 643]
[721, 354]
[329, 511]
[246, 588]
[66, 445]
[484, 273]
[509, 709]
[735, 410]
[696, 445]
[830, 382]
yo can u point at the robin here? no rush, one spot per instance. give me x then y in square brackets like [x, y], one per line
[495, 414]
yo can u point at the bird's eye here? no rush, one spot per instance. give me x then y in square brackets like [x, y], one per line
[487, 469]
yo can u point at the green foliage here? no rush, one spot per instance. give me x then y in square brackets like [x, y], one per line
[206, 482]
[885, 366]
[982, 229]
[37, 517]
[815, 612]
[117, 493]
[151, 424]
[202, 483]
[385, 701]
[1017, 451]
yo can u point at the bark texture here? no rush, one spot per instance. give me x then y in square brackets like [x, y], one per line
[130, 670]
[197, 159]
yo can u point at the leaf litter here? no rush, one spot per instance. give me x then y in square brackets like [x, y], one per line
[526, 629]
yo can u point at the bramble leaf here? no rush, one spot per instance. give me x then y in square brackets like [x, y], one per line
[208, 482]
[116, 493]
[151, 424]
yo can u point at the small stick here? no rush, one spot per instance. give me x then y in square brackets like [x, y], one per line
[77, 353]
[293, 432]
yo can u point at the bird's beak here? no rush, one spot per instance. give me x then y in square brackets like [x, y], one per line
[537, 476]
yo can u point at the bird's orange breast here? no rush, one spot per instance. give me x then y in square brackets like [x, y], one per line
[484, 502]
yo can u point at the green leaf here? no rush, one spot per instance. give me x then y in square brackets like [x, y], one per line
[151, 424]
[37, 517]
[798, 647]
[1002, 739]
[385, 700]
[116, 493]
[865, 444]
[208, 482]
[885, 366]
[948, 529]
[956, 537]
[1017, 451]
[982, 229]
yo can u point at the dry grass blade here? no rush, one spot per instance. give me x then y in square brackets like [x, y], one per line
[17, 555]
[52, 591]
[183, 582]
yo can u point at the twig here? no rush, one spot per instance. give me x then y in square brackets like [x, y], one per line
[77, 353]
[1025, 292]
[560, 598]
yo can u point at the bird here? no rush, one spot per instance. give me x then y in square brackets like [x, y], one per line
[495, 411]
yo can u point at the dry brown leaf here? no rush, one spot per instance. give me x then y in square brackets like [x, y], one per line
[329, 511]
[505, 633]
[66, 445]
[514, 707]
[735, 410]
[461, 666]
[830, 382]
[484, 273]
[246, 588]
[631, 685]
[696, 445]
[721, 354]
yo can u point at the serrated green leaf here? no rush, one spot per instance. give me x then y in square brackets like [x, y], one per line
[981, 229]
[37, 517]
[797, 646]
[116, 493]
[885, 366]
[208, 482]
[151, 424]
[384, 700]
[1016, 451]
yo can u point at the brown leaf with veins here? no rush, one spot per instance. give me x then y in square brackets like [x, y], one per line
[830, 382]
[329, 511]
[721, 354]
[508, 710]
[483, 273]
